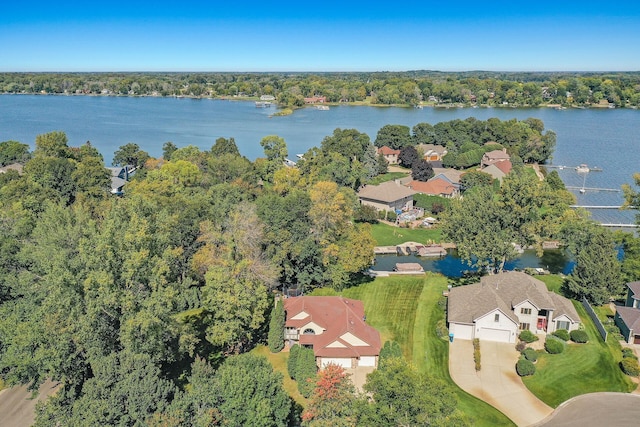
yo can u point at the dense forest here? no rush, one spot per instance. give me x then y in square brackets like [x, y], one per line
[379, 88]
[145, 306]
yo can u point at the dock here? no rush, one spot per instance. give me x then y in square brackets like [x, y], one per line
[613, 190]
[562, 167]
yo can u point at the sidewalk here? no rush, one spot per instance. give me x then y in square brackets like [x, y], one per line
[497, 383]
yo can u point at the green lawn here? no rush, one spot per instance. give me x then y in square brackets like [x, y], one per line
[426, 202]
[553, 282]
[389, 176]
[405, 309]
[279, 363]
[388, 235]
[580, 369]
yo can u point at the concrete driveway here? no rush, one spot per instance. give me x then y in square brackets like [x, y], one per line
[497, 382]
[18, 406]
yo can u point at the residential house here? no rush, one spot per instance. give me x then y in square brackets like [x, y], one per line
[389, 154]
[335, 328]
[432, 152]
[12, 167]
[435, 187]
[315, 100]
[499, 170]
[119, 177]
[494, 156]
[627, 318]
[448, 174]
[502, 305]
[388, 196]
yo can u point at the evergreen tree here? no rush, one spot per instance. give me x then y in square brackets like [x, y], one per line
[276, 328]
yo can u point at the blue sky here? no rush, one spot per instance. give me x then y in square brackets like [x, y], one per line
[323, 35]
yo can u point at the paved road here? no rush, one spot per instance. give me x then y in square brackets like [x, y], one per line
[18, 408]
[497, 382]
[597, 409]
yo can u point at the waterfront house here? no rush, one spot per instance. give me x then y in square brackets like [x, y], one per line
[502, 305]
[335, 328]
[494, 156]
[627, 318]
[388, 196]
[435, 187]
[389, 154]
[432, 152]
[498, 170]
[119, 177]
[315, 100]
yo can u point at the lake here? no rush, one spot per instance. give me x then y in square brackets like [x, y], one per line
[607, 138]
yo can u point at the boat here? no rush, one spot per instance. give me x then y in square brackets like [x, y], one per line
[322, 107]
[263, 104]
[583, 168]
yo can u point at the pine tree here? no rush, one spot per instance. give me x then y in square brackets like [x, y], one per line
[276, 328]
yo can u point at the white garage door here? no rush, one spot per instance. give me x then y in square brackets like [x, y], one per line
[344, 362]
[500, 335]
[367, 361]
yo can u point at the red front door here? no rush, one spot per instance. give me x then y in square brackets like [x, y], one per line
[542, 323]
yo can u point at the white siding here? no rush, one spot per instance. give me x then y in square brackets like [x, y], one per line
[344, 362]
[460, 331]
[500, 335]
[367, 361]
[489, 323]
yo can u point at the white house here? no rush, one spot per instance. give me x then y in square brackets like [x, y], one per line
[502, 305]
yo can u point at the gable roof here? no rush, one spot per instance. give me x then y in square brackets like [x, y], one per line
[345, 332]
[504, 291]
[635, 289]
[452, 175]
[385, 151]
[631, 317]
[497, 155]
[505, 166]
[495, 171]
[435, 186]
[389, 191]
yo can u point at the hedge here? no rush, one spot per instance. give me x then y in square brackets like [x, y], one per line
[579, 336]
[630, 366]
[530, 354]
[563, 334]
[525, 368]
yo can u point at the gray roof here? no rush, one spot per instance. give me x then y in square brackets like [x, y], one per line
[388, 192]
[631, 317]
[635, 289]
[505, 291]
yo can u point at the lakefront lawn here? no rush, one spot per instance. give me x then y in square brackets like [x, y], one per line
[406, 310]
[388, 235]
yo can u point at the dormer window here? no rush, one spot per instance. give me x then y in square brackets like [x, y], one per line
[308, 331]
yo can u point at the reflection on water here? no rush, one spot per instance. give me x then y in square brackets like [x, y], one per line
[556, 261]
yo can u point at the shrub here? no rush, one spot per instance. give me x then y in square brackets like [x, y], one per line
[628, 352]
[520, 346]
[553, 345]
[476, 353]
[530, 354]
[441, 329]
[579, 336]
[528, 336]
[630, 366]
[563, 334]
[525, 368]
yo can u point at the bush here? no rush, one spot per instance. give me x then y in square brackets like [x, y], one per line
[520, 346]
[441, 329]
[476, 353]
[563, 334]
[528, 336]
[579, 336]
[630, 366]
[628, 352]
[553, 345]
[530, 354]
[525, 368]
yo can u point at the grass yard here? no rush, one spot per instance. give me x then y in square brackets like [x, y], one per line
[405, 309]
[279, 363]
[580, 369]
[388, 235]
[553, 282]
[389, 176]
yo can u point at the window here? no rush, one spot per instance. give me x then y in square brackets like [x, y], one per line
[309, 331]
[562, 325]
[496, 318]
[525, 311]
[525, 326]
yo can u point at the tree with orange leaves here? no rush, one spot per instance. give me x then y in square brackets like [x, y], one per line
[333, 402]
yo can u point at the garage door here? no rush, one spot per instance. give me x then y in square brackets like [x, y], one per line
[344, 362]
[636, 339]
[367, 361]
[500, 335]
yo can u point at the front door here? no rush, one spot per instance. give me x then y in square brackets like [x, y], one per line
[542, 323]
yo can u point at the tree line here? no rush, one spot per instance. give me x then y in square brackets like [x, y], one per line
[620, 89]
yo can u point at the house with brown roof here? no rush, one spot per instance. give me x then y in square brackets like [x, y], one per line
[502, 305]
[335, 328]
[432, 152]
[499, 170]
[388, 196]
[315, 100]
[389, 154]
[435, 187]
[627, 318]
[494, 156]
